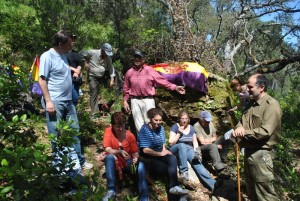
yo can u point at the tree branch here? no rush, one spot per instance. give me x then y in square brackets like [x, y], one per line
[281, 64]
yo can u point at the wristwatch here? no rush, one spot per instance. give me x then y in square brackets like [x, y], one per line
[180, 133]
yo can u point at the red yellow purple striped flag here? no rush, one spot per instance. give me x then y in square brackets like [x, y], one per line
[189, 74]
[35, 87]
[35, 69]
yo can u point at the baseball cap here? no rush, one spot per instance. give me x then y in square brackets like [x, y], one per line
[107, 48]
[205, 115]
[138, 53]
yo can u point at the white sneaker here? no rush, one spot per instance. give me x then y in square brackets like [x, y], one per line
[87, 166]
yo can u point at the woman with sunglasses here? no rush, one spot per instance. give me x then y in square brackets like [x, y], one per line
[121, 153]
[184, 145]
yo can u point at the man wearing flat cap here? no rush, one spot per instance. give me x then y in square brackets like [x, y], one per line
[209, 141]
[139, 89]
[97, 62]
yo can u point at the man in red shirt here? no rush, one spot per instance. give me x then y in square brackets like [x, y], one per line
[139, 88]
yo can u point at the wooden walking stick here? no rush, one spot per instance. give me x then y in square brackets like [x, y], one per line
[233, 122]
[156, 189]
[238, 168]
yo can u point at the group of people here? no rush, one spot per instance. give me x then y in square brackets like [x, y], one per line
[150, 153]
[257, 131]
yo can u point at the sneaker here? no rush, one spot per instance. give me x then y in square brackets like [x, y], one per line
[110, 195]
[220, 166]
[176, 190]
[87, 166]
[185, 175]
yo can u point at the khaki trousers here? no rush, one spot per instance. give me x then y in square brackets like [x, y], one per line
[259, 175]
[139, 108]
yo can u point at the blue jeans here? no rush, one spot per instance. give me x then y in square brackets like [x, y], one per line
[72, 159]
[75, 93]
[110, 168]
[64, 110]
[185, 153]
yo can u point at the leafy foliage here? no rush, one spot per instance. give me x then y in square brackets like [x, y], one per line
[26, 29]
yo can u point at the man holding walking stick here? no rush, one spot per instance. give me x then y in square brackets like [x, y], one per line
[258, 131]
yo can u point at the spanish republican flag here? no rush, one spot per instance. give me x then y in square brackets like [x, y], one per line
[35, 87]
[188, 74]
[35, 69]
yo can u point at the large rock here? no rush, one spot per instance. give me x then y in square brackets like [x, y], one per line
[218, 101]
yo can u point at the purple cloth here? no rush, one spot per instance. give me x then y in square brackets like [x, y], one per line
[36, 89]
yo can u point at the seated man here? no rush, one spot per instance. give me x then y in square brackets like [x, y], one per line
[209, 141]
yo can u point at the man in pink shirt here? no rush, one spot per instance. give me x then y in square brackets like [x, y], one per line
[139, 88]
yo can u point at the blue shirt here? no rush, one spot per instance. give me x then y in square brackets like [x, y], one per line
[185, 138]
[148, 138]
[55, 68]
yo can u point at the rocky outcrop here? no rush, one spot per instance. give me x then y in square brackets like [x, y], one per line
[218, 101]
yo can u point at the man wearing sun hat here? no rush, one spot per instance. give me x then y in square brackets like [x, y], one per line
[96, 63]
[209, 141]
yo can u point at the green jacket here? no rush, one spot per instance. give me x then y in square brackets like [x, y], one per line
[262, 123]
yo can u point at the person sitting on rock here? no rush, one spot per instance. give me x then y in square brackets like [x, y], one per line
[157, 158]
[209, 141]
[184, 145]
[121, 152]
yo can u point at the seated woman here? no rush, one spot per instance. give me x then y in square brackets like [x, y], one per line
[184, 144]
[160, 161]
[121, 147]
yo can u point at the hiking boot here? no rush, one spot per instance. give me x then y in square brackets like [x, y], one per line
[110, 195]
[185, 176]
[87, 166]
[176, 190]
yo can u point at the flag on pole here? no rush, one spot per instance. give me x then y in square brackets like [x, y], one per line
[35, 69]
[189, 74]
[35, 87]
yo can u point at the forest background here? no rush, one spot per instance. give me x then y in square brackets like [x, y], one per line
[227, 37]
